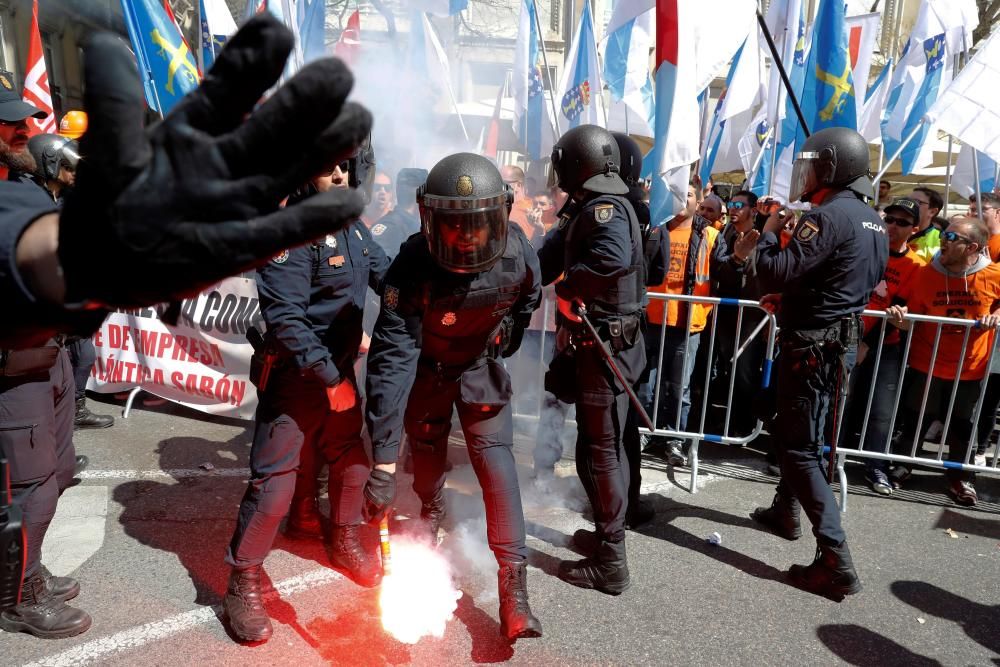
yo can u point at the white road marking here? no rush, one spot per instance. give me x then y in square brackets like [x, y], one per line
[175, 473]
[77, 530]
[137, 637]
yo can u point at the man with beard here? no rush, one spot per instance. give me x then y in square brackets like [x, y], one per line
[36, 426]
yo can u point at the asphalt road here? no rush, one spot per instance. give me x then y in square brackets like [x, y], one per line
[146, 530]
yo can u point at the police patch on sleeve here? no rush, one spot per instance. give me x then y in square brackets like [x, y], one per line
[603, 212]
[806, 231]
[391, 297]
[281, 257]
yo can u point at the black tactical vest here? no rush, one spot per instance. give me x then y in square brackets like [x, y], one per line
[462, 312]
[628, 295]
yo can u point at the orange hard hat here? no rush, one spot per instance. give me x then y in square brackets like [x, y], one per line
[73, 124]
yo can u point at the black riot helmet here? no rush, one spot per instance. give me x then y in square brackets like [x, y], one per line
[630, 167]
[587, 158]
[464, 206]
[362, 169]
[835, 157]
[51, 152]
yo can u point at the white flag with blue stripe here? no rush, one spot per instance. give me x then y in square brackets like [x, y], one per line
[626, 67]
[580, 100]
[532, 120]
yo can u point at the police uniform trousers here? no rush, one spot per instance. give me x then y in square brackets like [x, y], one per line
[36, 438]
[293, 414]
[481, 394]
[811, 374]
[82, 354]
[601, 409]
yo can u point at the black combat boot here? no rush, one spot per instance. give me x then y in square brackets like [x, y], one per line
[84, 418]
[42, 614]
[432, 514]
[347, 555]
[62, 588]
[304, 520]
[606, 570]
[516, 619]
[782, 517]
[831, 574]
[243, 605]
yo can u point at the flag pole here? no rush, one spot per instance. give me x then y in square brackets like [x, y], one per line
[881, 159]
[199, 55]
[548, 72]
[947, 178]
[899, 151]
[776, 60]
[979, 186]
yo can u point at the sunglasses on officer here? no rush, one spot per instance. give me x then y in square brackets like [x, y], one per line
[899, 222]
[344, 165]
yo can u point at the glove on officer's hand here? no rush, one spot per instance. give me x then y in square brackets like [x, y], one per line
[342, 396]
[380, 492]
[514, 339]
[161, 213]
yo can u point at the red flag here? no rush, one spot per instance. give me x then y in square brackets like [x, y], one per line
[349, 44]
[491, 142]
[36, 80]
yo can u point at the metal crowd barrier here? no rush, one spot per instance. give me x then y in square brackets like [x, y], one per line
[936, 460]
[694, 437]
[767, 327]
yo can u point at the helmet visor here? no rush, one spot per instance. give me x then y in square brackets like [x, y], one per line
[804, 180]
[465, 240]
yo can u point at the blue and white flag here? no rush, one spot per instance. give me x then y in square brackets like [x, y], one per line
[532, 120]
[943, 29]
[217, 25]
[626, 67]
[580, 99]
[963, 181]
[786, 20]
[167, 66]
[870, 121]
[691, 48]
[306, 19]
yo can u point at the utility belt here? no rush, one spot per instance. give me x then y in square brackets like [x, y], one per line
[28, 362]
[455, 371]
[809, 348]
[621, 332]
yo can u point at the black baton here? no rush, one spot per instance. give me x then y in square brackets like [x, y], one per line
[581, 310]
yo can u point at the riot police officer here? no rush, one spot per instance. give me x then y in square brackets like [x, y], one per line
[597, 248]
[825, 276]
[457, 297]
[312, 299]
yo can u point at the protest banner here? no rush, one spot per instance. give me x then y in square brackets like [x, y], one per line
[202, 362]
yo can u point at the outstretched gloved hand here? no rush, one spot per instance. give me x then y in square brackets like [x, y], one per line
[163, 212]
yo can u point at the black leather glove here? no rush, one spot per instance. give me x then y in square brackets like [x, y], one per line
[514, 338]
[161, 213]
[380, 492]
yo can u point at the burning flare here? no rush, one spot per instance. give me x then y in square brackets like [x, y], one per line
[417, 596]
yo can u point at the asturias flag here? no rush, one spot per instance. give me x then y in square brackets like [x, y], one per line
[828, 98]
[166, 64]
